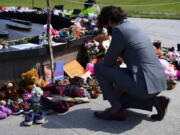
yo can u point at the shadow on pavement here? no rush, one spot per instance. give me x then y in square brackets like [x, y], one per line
[83, 118]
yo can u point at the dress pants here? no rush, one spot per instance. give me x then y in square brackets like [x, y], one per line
[114, 79]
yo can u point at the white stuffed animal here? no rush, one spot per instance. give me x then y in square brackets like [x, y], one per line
[36, 94]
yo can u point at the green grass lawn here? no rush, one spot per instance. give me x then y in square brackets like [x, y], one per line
[152, 11]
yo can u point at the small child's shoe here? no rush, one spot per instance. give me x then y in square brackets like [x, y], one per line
[16, 108]
[39, 117]
[29, 118]
[7, 110]
[2, 115]
[26, 107]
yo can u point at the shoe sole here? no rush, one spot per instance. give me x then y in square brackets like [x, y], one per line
[17, 113]
[28, 123]
[26, 112]
[40, 121]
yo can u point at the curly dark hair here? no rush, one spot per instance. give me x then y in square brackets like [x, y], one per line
[111, 13]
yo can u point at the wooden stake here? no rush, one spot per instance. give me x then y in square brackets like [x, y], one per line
[49, 38]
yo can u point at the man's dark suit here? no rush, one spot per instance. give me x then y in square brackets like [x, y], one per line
[144, 75]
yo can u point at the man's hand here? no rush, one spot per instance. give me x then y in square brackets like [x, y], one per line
[119, 61]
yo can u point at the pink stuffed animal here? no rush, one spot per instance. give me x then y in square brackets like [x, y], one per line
[170, 72]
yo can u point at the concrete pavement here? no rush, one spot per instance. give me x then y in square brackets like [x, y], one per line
[79, 120]
[167, 31]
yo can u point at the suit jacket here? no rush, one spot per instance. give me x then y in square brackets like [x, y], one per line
[136, 49]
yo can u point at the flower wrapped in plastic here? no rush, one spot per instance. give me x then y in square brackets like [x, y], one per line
[94, 49]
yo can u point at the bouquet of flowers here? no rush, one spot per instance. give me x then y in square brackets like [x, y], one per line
[94, 49]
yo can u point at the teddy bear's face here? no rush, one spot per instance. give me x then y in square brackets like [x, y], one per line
[9, 87]
[30, 77]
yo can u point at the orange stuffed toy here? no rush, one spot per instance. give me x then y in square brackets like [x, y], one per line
[31, 77]
[75, 32]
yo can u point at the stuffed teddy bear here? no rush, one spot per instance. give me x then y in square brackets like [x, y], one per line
[104, 42]
[31, 77]
[9, 90]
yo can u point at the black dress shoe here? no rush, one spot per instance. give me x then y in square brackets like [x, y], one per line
[107, 115]
[161, 105]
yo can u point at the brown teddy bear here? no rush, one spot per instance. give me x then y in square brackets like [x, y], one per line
[31, 77]
[9, 90]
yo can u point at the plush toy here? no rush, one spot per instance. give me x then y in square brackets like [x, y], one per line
[169, 70]
[171, 74]
[36, 94]
[75, 32]
[92, 87]
[102, 37]
[170, 85]
[64, 82]
[31, 77]
[104, 41]
[53, 32]
[9, 90]
[106, 44]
